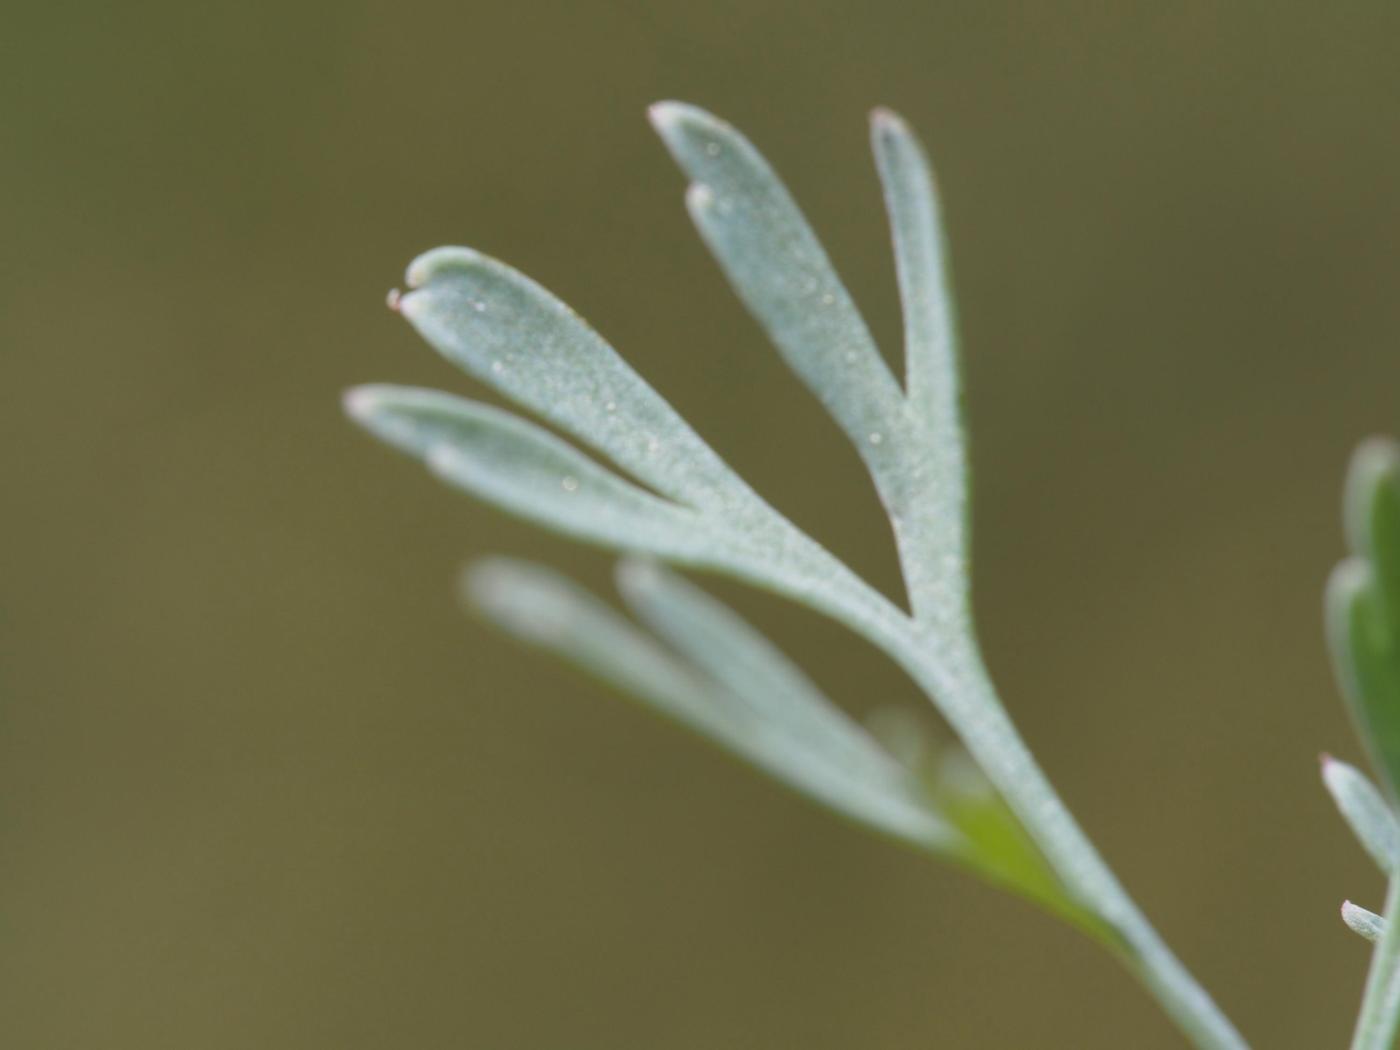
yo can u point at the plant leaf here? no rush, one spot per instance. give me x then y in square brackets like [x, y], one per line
[779, 269]
[547, 610]
[1368, 814]
[1365, 658]
[916, 228]
[1367, 923]
[544, 608]
[745, 663]
[512, 334]
[537, 352]
[529, 472]
[934, 541]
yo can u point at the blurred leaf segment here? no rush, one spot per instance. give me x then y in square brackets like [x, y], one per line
[1363, 627]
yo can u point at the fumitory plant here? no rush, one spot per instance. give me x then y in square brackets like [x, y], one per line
[660, 495]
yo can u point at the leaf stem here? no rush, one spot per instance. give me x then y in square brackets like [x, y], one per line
[955, 678]
[1379, 1020]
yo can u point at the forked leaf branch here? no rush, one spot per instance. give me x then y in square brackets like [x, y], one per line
[661, 492]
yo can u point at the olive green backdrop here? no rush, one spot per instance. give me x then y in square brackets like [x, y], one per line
[263, 785]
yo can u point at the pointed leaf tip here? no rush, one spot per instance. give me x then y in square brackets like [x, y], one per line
[885, 120]
[524, 599]
[410, 419]
[672, 119]
[436, 261]
[1369, 815]
[1366, 923]
[358, 402]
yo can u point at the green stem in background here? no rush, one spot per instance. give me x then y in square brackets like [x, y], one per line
[1363, 628]
[1379, 1020]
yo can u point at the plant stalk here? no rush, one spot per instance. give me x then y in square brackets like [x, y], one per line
[943, 659]
[1379, 1020]
[958, 682]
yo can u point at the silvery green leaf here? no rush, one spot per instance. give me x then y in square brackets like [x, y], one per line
[916, 228]
[512, 334]
[1367, 923]
[745, 663]
[527, 471]
[1368, 814]
[781, 272]
[547, 610]
[778, 267]
[934, 544]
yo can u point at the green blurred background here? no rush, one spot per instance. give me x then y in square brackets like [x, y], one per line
[263, 785]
